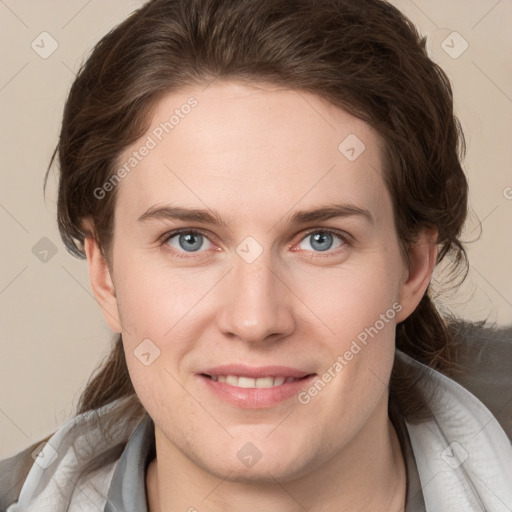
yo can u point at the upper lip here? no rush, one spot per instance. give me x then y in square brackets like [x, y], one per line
[256, 371]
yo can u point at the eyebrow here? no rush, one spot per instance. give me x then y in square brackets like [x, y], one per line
[213, 218]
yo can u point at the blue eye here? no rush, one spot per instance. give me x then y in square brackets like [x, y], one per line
[186, 240]
[322, 241]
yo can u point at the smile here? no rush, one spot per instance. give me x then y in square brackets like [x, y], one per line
[250, 382]
[254, 388]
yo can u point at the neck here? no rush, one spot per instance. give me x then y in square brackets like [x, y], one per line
[369, 474]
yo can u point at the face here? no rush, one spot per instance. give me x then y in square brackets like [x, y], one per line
[261, 331]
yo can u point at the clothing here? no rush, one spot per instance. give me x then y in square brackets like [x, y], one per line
[459, 461]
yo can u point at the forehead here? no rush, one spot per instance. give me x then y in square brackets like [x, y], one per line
[252, 148]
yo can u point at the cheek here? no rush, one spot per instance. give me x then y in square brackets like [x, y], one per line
[359, 351]
[359, 306]
[351, 299]
[154, 299]
[157, 306]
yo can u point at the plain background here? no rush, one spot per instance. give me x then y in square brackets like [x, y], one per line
[53, 332]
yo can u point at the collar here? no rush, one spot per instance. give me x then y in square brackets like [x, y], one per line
[463, 455]
[127, 491]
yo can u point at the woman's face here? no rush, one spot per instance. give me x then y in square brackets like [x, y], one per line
[257, 288]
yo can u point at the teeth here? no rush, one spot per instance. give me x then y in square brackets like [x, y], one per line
[244, 382]
[249, 382]
[232, 380]
[262, 382]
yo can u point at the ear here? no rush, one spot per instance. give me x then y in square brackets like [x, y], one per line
[422, 260]
[101, 282]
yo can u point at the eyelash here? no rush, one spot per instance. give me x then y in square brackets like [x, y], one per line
[344, 237]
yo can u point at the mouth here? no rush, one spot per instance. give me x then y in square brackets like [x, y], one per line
[241, 381]
[255, 388]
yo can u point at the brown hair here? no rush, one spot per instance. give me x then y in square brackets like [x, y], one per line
[364, 57]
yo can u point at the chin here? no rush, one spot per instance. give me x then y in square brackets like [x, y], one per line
[250, 465]
[265, 474]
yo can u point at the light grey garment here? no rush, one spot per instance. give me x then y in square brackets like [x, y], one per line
[463, 458]
[463, 455]
[127, 491]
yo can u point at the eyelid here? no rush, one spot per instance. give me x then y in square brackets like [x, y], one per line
[342, 235]
[171, 234]
[178, 231]
[345, 237]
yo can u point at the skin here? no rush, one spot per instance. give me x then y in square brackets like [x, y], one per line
[256, 154]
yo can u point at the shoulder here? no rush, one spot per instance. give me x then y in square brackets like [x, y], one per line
[13, 472]
[85, 450]
[484, 356]
[463, 451]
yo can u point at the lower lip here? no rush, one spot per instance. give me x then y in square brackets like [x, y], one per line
[256, 398]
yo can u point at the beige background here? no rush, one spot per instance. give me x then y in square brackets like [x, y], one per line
[53, 333]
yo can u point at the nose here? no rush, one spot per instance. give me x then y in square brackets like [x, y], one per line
[257, 304]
